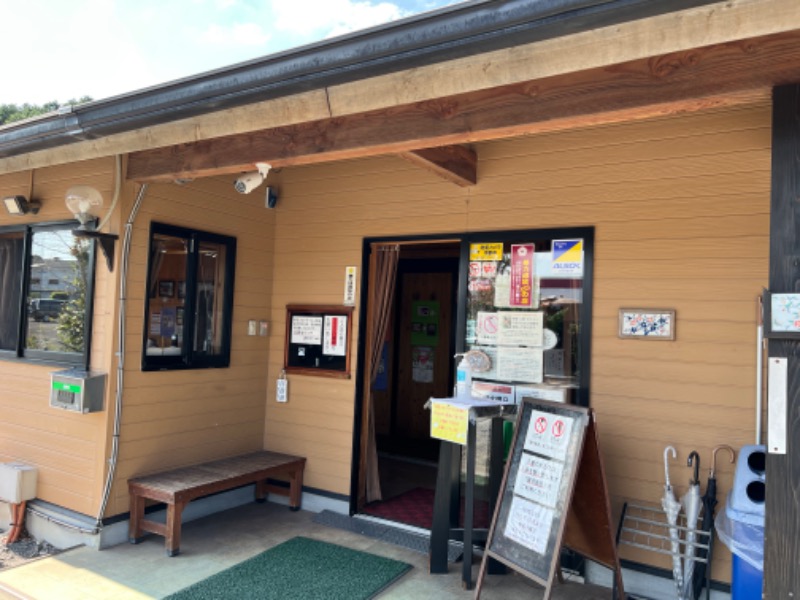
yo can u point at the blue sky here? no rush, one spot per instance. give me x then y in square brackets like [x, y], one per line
[63, 49]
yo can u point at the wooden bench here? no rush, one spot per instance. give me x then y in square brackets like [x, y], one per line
[178, 487]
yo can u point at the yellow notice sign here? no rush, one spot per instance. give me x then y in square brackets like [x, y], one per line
[449, 422]
[493, 251]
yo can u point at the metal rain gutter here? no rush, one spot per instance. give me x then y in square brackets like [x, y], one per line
[452, 32]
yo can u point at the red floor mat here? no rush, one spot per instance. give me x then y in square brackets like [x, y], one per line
[415, 507]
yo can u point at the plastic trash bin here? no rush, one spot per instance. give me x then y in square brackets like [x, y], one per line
[741, 525]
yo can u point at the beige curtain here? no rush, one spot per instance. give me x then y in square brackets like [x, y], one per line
[382, 277]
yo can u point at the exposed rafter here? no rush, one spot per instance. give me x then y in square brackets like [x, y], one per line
[456, 164]
[719, 75]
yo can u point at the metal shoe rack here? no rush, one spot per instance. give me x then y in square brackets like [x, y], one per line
[646, 528]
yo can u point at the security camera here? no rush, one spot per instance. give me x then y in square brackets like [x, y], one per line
[250, 181]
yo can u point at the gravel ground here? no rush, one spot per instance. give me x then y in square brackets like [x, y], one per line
[25, 549]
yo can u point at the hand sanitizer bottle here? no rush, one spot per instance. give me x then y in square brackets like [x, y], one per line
[463, 379]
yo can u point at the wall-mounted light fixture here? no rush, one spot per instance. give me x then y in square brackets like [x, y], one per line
[18, 205]
[85, 202]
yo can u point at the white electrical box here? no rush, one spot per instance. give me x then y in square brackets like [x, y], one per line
[77, 390]
[17, 482]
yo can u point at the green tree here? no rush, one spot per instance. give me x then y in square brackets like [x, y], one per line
[72, 319]
[14, 112]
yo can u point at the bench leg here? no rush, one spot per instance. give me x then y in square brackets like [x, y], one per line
[296, 490]
[261, 491]
[173, 537]
[137, 514]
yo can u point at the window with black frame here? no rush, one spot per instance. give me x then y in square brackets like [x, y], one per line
[189, 299]
[46, 277]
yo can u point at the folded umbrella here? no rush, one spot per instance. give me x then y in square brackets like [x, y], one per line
[709, 504]
[692, 505]
[672, 508]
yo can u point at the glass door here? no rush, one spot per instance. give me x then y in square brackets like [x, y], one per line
[527, 307]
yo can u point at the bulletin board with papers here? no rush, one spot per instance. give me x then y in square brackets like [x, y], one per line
[318, 340]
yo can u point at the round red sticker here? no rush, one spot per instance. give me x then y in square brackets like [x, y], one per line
[540, 425]
[558, 428]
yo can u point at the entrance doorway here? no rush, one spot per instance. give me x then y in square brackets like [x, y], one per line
[522, 298]
[417, 364]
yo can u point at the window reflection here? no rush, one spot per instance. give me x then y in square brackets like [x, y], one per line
[57, 292]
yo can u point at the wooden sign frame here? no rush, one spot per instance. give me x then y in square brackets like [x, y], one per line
[308, 356]
[561, 492]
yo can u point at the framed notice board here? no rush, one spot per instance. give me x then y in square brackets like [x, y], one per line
[553, 454]
[318, 340]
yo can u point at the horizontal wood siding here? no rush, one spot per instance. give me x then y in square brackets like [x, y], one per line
[681, 211]
[68, 449]
[175, 418]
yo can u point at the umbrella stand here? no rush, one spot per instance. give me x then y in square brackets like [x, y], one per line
[692, 505]
[672, 507]
[702, 573]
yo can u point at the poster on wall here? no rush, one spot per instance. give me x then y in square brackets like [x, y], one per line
[335, 335]
[155, 323]
[382, 378]
[425, 323]
[306, 330]
[168, 317]
[422, 364]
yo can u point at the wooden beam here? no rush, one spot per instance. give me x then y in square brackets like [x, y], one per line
[456, 164]
[719, 75]
[782, 525]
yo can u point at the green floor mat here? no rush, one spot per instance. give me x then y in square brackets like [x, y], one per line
[302, 569]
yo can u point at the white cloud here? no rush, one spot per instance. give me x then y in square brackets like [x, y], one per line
[243, 34]
[331, 17]
[102, 48]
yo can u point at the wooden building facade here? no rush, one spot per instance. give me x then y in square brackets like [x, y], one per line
[663, 144]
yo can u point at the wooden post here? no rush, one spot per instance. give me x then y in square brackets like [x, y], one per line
[782, 527]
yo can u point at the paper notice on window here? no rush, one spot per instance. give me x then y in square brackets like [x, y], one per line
[529, 524]
[486, 326]
[520, 328]
[539, 479]
[306, 331]
[499, 392]
[520, 364]
[502, 289]
[548, 434]
[334, 336]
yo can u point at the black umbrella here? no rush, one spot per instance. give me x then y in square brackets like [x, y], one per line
[709, 502]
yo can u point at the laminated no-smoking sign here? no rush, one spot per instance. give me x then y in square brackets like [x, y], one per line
[548, 434]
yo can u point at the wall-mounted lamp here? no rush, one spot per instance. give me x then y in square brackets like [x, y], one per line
[85, 203]
[18, 205]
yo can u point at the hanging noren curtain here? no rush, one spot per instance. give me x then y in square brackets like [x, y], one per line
[382, 277]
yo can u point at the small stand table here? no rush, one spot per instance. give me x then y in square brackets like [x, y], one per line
[454, 421]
